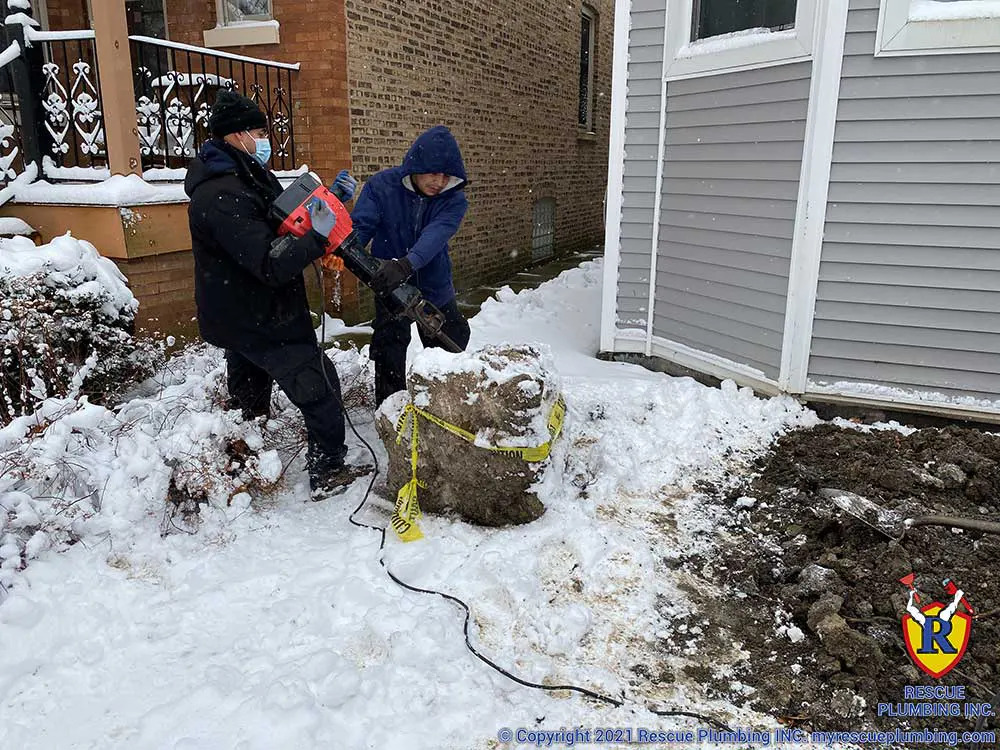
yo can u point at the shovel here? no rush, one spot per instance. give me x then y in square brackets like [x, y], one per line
[892, 523]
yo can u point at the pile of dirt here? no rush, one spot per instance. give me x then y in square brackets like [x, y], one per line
[814, 594]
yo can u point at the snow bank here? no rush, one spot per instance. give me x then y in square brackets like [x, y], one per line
[274, 626]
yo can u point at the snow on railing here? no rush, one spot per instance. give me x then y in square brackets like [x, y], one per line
[34, 35]
[11, 143]
[10, 54]
[213, 52]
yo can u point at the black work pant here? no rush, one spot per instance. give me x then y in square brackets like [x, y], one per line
[392, 337]
[296, 368]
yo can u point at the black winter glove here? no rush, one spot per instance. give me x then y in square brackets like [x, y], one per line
[391, 274]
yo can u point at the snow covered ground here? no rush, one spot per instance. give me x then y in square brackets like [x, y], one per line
[274, 626]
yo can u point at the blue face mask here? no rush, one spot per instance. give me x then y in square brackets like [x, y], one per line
[263, 150]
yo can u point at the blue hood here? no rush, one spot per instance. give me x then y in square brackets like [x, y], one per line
[210, 162]
[435, 151]
[215, 159]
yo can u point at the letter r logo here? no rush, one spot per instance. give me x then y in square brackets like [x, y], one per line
[935, 632]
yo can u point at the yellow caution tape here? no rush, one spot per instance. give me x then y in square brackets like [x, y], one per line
[407, 510]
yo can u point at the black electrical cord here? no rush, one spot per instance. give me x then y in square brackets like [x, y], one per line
[380, 530]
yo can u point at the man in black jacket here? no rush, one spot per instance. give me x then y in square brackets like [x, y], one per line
[252, 302]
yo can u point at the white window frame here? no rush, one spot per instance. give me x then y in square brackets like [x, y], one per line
[897, 35]
[747, 51]
[242, 33]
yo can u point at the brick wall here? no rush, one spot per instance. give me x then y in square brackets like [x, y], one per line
[376, 73]
[505, 79]
[164, 286]
[67, 15]
[313, 34]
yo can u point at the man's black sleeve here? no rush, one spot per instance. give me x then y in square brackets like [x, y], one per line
[236, 226]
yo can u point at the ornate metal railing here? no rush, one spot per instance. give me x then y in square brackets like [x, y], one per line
[51, 113]
[176, 84]
[12, 162]
[71, 111]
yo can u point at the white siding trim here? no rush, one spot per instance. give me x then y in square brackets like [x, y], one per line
[897, 35]
[814, 187]
[938, 408]
[623, 344]
[658, 197]
[616, 174]
[703, 362]
[687, 59]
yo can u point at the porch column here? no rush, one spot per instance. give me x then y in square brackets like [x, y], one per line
[114, 60]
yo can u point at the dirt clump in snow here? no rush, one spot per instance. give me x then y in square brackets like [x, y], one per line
[814, 594]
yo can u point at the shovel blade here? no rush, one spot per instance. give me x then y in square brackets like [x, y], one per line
[884, 521]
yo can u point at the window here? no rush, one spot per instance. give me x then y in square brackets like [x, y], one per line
[238, 11]
[543, 231]
[588, 22]
[716, 17]
[937, 27]
[722, 36]
[146, 18]
[243, 22]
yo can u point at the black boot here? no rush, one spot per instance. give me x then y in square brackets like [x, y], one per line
[336, 482]
[329, 475]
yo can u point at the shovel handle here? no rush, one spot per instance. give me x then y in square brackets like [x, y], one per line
[971, 524]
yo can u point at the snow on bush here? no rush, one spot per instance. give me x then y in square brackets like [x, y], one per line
[66, 321]
[170, 459]
[76, 471]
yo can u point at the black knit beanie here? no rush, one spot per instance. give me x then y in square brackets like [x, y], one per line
[234, 113]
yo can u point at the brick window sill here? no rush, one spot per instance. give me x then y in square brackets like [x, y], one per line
[586, 136]
[243, 34]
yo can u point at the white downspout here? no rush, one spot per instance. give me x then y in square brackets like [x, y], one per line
[658, 197]
[616, 175]
[814, 189]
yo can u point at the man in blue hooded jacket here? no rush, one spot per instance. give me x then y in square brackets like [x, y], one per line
[409, 213]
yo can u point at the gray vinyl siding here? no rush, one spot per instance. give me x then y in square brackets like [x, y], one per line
[909, 288]
[641, 145]
[730, 186]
